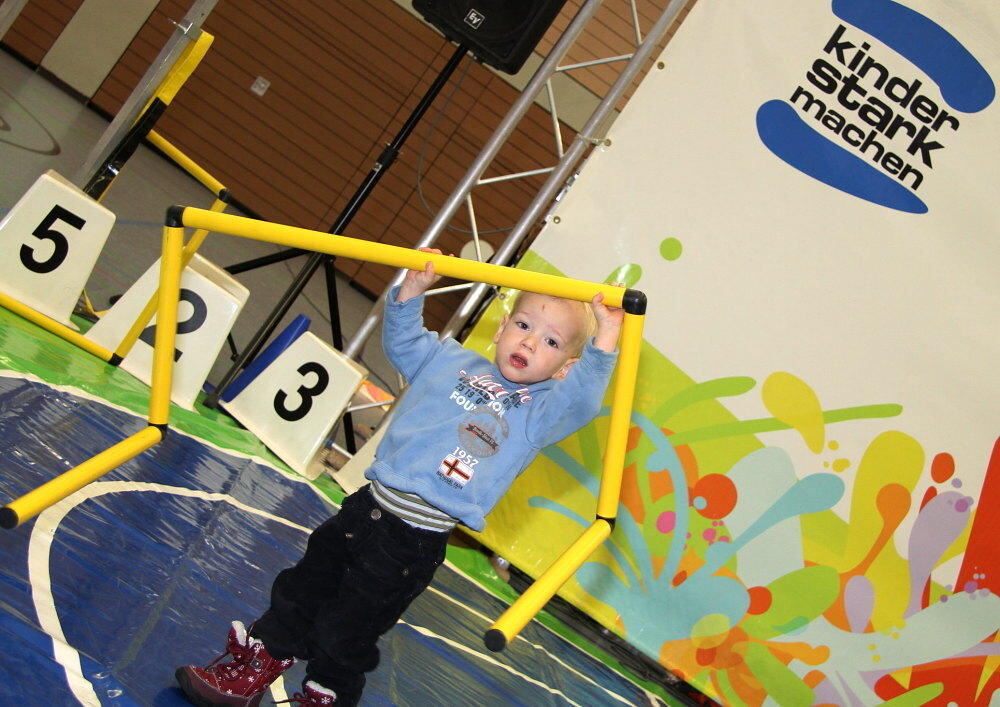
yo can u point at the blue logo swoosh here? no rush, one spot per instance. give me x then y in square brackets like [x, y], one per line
[963, 81]
[787, 136]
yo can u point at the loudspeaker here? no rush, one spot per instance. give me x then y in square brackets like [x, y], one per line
[500, 33]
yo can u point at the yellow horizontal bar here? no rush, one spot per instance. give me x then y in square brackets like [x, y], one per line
[51, 325]
[34, 502]
[525, 607]
[399, 257]
[186, 163]
[630, 345]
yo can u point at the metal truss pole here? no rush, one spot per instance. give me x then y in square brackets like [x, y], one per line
[558, 177]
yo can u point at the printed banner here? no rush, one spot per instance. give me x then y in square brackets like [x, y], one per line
[803, 189]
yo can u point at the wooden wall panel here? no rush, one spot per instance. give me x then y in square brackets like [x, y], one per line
[35, 30]
[344, 77]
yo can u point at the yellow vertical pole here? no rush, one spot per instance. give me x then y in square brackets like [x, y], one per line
[54, 490]
[621, 415]
[166, 325]
[183, 67]
[544, 588]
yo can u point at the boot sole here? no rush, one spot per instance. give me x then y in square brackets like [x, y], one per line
[200, 693]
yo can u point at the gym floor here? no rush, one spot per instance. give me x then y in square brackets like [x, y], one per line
[107, 592]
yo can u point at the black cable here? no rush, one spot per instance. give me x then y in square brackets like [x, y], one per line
[423, 151]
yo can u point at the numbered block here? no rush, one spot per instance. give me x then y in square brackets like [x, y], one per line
[49, 244]
[282, 341]
[293, 404]
[210, 301]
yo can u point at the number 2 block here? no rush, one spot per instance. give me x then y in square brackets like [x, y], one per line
[49, 244]
[210, 301]
[294, 402]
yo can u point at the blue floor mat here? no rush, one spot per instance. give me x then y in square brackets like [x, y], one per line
[103, 595]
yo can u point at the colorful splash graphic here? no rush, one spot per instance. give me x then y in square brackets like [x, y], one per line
[856, 125]
[730, 564]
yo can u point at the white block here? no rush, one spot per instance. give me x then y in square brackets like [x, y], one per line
[210, 302]
[49, 244]
[295, 402]
[351, 476]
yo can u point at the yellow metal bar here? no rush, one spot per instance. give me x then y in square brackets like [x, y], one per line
[166, 325]
[544, 588]
[186, 163]
[182, 69]
[400, 257]
[630, 344]
[179, 73]
[132, 335]
[199, 236]
[51, 325]
[190, 248]
[51, 492]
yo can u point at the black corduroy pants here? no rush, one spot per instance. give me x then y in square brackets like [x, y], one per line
[360, 571]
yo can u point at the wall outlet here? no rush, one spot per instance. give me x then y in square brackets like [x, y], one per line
[260, 85]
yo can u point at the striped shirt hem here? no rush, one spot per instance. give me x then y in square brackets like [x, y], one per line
[412, 509]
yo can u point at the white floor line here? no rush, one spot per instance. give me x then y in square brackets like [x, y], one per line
[493, 661]
[39, 549]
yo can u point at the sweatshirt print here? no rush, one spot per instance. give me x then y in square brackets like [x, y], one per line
[462, 432]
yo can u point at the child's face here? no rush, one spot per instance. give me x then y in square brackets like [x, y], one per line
[540, 340]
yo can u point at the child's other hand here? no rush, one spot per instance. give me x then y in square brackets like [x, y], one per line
[609, 321]
[417, 282]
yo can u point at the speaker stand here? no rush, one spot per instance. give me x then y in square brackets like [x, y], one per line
[316, 260]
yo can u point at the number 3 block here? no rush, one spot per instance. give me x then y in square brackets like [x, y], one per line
[294, 402]
[49, 243]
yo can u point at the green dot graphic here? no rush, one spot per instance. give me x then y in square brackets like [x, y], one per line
[670, 249]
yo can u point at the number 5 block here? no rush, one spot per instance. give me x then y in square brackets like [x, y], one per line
[294, 402]
[49, 243]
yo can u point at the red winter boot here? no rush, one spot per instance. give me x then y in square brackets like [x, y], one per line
[241, 682]
[312, 695]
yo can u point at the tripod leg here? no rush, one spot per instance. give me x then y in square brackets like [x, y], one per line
[338, 341]
[247, 265]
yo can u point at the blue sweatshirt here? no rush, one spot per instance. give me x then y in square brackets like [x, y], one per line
[462, 432]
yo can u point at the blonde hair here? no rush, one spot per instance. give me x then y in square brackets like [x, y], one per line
[587, 319]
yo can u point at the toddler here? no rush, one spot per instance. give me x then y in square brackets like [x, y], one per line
[457, 439]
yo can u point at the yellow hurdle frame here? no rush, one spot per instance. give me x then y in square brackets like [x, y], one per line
[175, 255]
